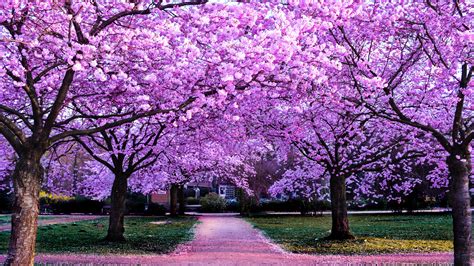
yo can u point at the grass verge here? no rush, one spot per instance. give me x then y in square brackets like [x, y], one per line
[142, 236]
[376, 234]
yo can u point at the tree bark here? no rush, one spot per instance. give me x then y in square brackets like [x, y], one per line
[340, 222]
[181, 200]
[118, 198]
[459, 164]
[174, 200]
[27, 178]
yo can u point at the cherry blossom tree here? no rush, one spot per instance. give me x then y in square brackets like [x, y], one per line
[348, 145]
[412, 64]
[342, 83]
[124, 151]
[64, 60]
[6, 165]
[58, 55]
[342, 140]
[300, 181]
[64, 167]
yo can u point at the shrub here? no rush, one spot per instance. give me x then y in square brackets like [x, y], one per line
[292, 205]
[233, 206]
[136, 203]
[155, 209]
[213, 203]
[192, 201]
[66, 205]
[248, 205]
[135, 207]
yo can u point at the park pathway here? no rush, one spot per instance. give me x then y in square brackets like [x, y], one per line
[230, 240]
[224, 236]
[60, 219]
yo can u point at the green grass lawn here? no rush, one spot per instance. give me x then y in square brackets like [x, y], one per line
[375, 233]
[6, 218]
[86, 236]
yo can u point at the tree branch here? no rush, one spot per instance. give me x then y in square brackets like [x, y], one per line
[100, 26]
[91, 153]
[13, 140]
[13, 129]
[58, 103]
[79, 132]
[18, 114]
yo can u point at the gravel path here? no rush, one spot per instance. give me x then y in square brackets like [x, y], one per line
[57, 220]
[226, 240]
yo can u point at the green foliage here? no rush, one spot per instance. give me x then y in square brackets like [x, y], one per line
[247, 203]
[192, 201]
[67, 205]
[233, 206]
[142, 236]
[212, 202]
[375, 233]
[135, 203]
[155, 209]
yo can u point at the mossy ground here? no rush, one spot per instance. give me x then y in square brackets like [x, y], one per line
[87, 236]
[376, 234]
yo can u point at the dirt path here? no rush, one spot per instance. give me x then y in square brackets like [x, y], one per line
[225, 240]
[57, 220]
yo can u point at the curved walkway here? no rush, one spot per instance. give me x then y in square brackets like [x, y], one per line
[227, 240]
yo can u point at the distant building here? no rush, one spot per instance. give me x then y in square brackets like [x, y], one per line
[161, 197]
[197, 190]
[227, 191]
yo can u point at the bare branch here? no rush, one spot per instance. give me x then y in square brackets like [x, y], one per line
[58, 103]
[117, 123]
[91, 153]
[18, 114]
[13, 140]
[13, 129]
[45, 72]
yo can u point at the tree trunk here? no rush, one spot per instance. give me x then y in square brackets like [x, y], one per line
[459, 170]
[27, 184]
[174, 200]
[181, 200]
[118, 198]
[340, 223]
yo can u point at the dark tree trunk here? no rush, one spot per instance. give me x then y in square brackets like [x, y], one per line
[27, 184]
[340, 223]
[181, 200]
[459, 169]
[174, 200]
[117, 212]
